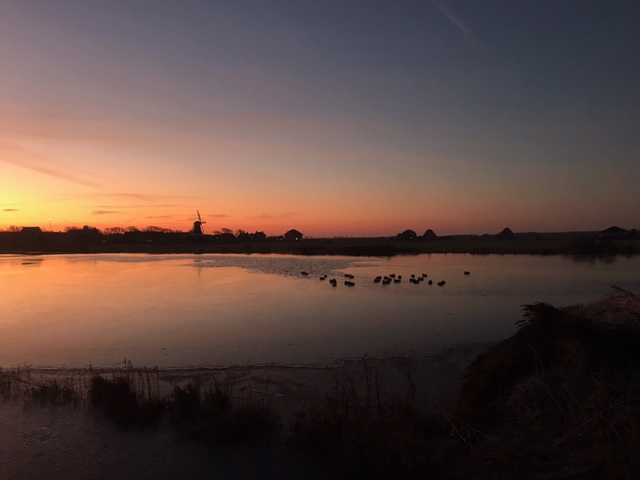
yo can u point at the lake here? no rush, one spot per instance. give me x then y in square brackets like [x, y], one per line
[208, 310]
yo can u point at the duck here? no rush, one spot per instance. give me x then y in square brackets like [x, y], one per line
[349, 283]
[333, 282]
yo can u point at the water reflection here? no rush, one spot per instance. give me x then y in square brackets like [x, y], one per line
[593, 259]
[286, 265]
[72, 310]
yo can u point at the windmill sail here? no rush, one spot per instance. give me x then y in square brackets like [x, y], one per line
[197, 225]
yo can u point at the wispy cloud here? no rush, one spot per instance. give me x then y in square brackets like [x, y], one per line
[455, 20]
[53, 172]
[218, 215]
[146, 198]
[135, 196]
[151, 217]
[10, 210]
[267, 215]
[104, 212]
[132, 205]
[71, 127]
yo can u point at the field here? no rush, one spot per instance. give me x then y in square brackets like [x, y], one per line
[92, 241]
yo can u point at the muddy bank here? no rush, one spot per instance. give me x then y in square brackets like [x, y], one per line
[559, 399]
[42, 442]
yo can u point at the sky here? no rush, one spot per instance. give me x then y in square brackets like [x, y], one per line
[358, 118]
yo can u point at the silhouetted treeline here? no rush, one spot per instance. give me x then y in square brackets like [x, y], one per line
[92, 240]
[605, 244]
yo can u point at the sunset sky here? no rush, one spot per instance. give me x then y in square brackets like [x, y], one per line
[337, 118]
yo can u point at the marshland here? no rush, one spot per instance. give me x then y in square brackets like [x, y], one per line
[261, 354]
[319, 240]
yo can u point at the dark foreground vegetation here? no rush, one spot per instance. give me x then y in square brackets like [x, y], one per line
[560, 399]
[608, 243]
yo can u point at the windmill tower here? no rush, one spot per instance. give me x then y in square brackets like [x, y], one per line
[197, 225]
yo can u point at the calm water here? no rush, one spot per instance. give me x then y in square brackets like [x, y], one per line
[187, 310]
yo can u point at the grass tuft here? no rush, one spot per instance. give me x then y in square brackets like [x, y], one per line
[54, 392]
[213, 415]
[364, 427]
[20, 382]
[122, 404]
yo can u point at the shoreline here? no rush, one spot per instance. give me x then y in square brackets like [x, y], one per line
[41, 436]
[587, 244]
[540, 404]
[460, 350]
[439, 374]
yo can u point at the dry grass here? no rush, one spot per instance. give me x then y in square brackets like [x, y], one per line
[621, 309]
[137, 398]
[559, 399]
[215, 416]
[134, 398]
[363, 427]
[41, 388]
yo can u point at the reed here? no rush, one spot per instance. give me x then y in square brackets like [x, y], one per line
[560, 399]
[214, 415]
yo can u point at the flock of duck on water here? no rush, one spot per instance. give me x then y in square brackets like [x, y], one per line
[386, 280]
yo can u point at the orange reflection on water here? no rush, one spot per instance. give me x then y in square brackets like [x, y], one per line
[187, 310]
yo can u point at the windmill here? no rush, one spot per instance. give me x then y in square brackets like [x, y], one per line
[197, 225]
